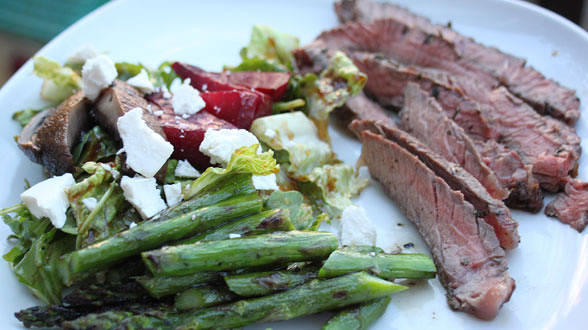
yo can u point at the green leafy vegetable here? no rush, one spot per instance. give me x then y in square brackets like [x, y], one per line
[292, 202]
[243, 160]
[331, 187]
[296, 135]
[95, 145]
[163, 75]
[24, 116]
[338, 82]
[59, 82]
[111, 213]
[34, 257]
[256, 64]
[270, 46]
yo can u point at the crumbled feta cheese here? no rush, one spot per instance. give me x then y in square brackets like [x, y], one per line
[270, 133]
[234, 235]
[219, 144]
[98, 73]
[175, 84]
[90, 203]
[165, 92]
[142, 82]
[265, 182]
[173, 193]
[185, 170]
[47, 199]
[187, 101]
[356, 227]
[146, 150]
[82, 54]
[143, 194]
[158, 113]
[132, 225]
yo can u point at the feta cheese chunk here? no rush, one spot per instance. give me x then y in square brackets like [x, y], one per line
[186, 100]
[146, 150]
[90, 203]
[219, 144]
[356, 227]
[47, 199]
[265, 182]
[143, 194]
[98, 73]
[142, 82]
[185, 170]
[82, 54]
[173, 193]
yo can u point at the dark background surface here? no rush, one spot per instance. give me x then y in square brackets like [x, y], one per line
[26, 25]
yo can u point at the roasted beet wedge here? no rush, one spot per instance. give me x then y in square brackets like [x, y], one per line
[272, 84]
[238, 107]
[187, 134]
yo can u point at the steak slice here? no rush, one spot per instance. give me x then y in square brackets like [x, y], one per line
[545, 95]
[551, 147]
[513, 174]
[423, 117]
[470, 263]
[571, 205]
[493, 211]
[362, 108]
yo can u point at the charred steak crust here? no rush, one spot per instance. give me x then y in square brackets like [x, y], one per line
[545, 95]
[470, 262]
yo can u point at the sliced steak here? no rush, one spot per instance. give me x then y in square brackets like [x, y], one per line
[571, 205]
[423, 117]
[513, 174]
[493, 211]
[470, 263]
[551, 147]
[361, 107]
[545, 95]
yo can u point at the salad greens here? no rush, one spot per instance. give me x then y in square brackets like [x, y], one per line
[203, 249]
[59, 82]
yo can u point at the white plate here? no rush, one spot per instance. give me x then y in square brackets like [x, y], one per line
[551, 264]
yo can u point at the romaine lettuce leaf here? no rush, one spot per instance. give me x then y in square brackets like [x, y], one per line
[270, 46]
[163, 75]
[59, 82]
[331, 187]
[292, 202]
[338, 82]
[34, 257]
[297, 135]
[243, 160]
[110, 214]
[95, 145]
[24, 116]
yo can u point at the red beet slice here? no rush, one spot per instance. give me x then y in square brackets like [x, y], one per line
[238, 107]
[186, 135]
[273, 84]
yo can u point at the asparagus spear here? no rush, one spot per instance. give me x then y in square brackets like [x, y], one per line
[232, 254]
[203, 296]
[228, 186]
[107, 294]
[263, 283]
[160, 286]
[358, 317]
[261, 223]
[386, 266]
[151, 234]
[47, 316]
[310, 298]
